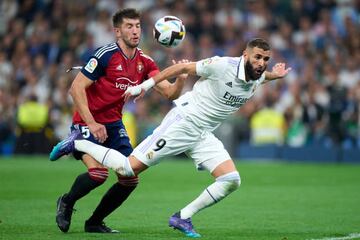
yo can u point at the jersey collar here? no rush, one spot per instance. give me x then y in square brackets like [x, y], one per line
[241, 70]
[122, 53]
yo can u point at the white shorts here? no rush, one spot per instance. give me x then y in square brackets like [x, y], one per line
[176, 135]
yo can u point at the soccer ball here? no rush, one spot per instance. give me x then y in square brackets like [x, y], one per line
[169, 31]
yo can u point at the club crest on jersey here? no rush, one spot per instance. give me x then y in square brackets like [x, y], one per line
[140, 67]
[91, 65]
[119, 67]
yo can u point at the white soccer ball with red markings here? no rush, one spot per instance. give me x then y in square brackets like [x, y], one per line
[169, 31]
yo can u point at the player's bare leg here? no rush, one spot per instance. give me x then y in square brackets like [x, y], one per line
[227, 181]
[136, 165]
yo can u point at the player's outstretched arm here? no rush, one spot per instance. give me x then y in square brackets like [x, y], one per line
[279, 70]
[172, 90]
[167, 73]
[175, 70]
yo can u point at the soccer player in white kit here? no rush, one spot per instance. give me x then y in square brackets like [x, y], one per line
[226, 84]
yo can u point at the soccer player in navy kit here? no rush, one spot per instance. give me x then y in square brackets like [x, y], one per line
[97, 92]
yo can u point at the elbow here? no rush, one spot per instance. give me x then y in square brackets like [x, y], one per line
[72, 90]
[172, 97]
[170, 94]
[186, 68]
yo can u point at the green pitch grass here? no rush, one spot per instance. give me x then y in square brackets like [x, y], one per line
[280, 201]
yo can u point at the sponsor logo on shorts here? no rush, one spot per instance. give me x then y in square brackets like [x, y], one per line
[150, 155]
[123, 133]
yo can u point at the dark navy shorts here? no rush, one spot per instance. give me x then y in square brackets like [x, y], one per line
[117, 138]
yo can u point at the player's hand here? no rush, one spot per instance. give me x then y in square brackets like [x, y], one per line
[99, 131]
[134, 91]
[139, 90]
[279, 70]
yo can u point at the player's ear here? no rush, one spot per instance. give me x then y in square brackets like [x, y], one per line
[117, 32]
[245, 54]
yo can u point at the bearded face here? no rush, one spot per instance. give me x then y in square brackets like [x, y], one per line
[256, 61]
[252, 72]
[129, 32]
[130, 42]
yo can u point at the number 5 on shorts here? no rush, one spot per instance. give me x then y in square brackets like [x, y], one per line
[85, 131]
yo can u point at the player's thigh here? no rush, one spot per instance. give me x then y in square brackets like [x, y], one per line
[118, 139]
[209, 154]
[173, 136]
[223, 168]
[86, 134]
[90, 162]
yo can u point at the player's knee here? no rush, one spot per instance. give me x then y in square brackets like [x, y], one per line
[98, 174]
[128, 181]
[231, 180]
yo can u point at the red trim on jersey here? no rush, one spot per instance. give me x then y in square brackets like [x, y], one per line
[153, 73]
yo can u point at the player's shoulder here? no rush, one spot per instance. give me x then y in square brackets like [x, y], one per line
[232, 61]
[222, 60]
[143, 55]
[214, 62]
[106, 50]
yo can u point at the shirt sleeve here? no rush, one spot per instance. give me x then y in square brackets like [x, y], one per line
[209, 66]
[95, 67]
[153, 69]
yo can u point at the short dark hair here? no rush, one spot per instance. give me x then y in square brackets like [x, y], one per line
[125, 13]
[258, 42]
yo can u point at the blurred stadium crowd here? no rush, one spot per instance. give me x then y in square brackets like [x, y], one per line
[318, 103]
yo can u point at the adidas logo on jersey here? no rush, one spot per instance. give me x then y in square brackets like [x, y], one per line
[119, 67]
[229, 84]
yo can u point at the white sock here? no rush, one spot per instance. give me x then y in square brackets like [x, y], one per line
[106, 156]
[223, 186]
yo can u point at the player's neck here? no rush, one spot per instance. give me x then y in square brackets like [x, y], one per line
[128, 51]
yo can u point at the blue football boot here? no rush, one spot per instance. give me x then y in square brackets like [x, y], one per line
[66, 146]
[184, 225]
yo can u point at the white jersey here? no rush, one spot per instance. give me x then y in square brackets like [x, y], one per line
[221, 91]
